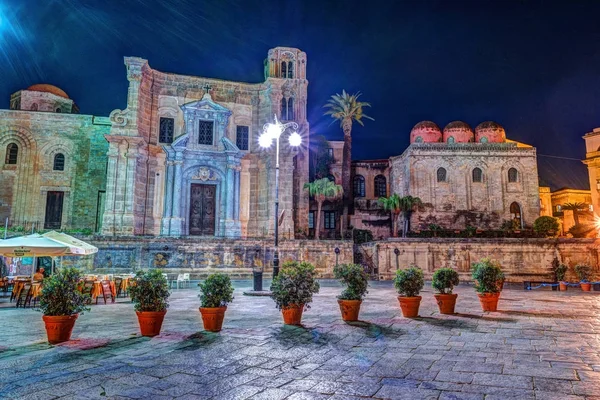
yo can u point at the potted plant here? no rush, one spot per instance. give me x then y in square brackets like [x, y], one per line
[408, 283]
[293, 288]
[444, 280]
[150, 296]
[61, 303]
[584, 271]
[487, 273]
[215, 293]
[354, 277]
[560, 270]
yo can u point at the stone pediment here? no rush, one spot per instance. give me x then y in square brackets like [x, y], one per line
[205, 104]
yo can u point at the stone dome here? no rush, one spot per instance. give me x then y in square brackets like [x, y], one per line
[458, 132]
[490, 132]
[44, 87]
[426, 132]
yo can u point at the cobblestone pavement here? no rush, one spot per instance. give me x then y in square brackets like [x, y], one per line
[541, 345]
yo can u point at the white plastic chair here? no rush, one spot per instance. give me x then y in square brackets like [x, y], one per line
[181, 280]
[186, 279]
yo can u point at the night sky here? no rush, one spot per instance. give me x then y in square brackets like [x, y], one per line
[533, 67]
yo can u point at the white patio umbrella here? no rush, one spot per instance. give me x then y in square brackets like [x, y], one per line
[51, 244]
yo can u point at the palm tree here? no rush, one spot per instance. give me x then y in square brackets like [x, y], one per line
[575, 207]
[392, 204]
[322, 190]
[407, 205]
[346, 108]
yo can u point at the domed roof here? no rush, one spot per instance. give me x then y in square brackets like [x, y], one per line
[490, 131]
[458, 132]
[44, 87]
[426, 132]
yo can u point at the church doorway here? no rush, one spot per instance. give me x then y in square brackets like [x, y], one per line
[54, 210]
[515, 211]
[202, 210]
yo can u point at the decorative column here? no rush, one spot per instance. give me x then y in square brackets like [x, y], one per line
[236, 201]
[230, 193]
[108, 219]
[128, 221]
[168, 213]
[177, 218]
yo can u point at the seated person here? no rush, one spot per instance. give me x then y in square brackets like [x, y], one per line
[39, 275]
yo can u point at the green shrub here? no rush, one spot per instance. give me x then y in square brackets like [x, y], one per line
[409, 282]
[444, 280]
[355, 278]
[559, 270]
[487, 273]
[546, 225]
[295, 284]
[60, 295]
[584, 272]
[150, 291]
[216, 291]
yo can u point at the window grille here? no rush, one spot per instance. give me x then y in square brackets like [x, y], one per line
[12, 154]
[205, 132]
[241, 139]
[59, 162]
[380, 186]
[359, 186]
[166, 129]
[441, 175]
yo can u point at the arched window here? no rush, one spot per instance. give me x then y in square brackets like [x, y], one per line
[34, 107]
[58, 110]
[359, 186]
[12, 154]
[331, 178]
[441, 175]
[59, 162]
[380, 186]
[290, 109]
[290, 69]
[419, 139]
[483, 140]
[283, 109]
[450, 140]
[283, 69]
[513, 175]
[477, 175]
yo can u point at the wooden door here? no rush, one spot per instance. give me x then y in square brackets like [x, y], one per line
[202, 210]
[54, 210]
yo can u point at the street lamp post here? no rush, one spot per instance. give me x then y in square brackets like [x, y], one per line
[274, 131]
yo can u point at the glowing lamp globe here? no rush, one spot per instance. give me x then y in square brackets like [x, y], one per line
[295, 139]
[265, 140]
[273, 131]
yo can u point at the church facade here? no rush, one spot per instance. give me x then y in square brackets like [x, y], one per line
[184, 159]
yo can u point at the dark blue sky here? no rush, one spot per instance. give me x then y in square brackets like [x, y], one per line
[534, 67]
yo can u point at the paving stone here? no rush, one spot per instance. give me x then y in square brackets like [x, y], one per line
[473, 355]
[272, 394]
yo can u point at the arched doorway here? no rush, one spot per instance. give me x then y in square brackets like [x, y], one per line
[515, 212]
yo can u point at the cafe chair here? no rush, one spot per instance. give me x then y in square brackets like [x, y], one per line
[25, 295]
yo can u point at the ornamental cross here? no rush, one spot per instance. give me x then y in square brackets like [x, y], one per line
[206, 87]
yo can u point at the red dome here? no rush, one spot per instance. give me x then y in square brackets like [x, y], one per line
[43, 87]
[459, 131]
[490, 132]
[426, 132]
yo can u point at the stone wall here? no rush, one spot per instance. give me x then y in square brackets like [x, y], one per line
[521, 259]
[201, 257]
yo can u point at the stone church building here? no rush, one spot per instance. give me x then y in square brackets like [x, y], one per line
[182, 159]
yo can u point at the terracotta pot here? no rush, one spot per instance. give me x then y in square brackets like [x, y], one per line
[586, 286]
[489, 301]
[446, 302]
[150, 322]
[59, 328]
[350, 309]
[212, 318]
[409, 306]
[563, 286]
[292, 315]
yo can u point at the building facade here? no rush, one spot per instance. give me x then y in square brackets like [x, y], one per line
[467, 178]
[54, 162]
[184, 159]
